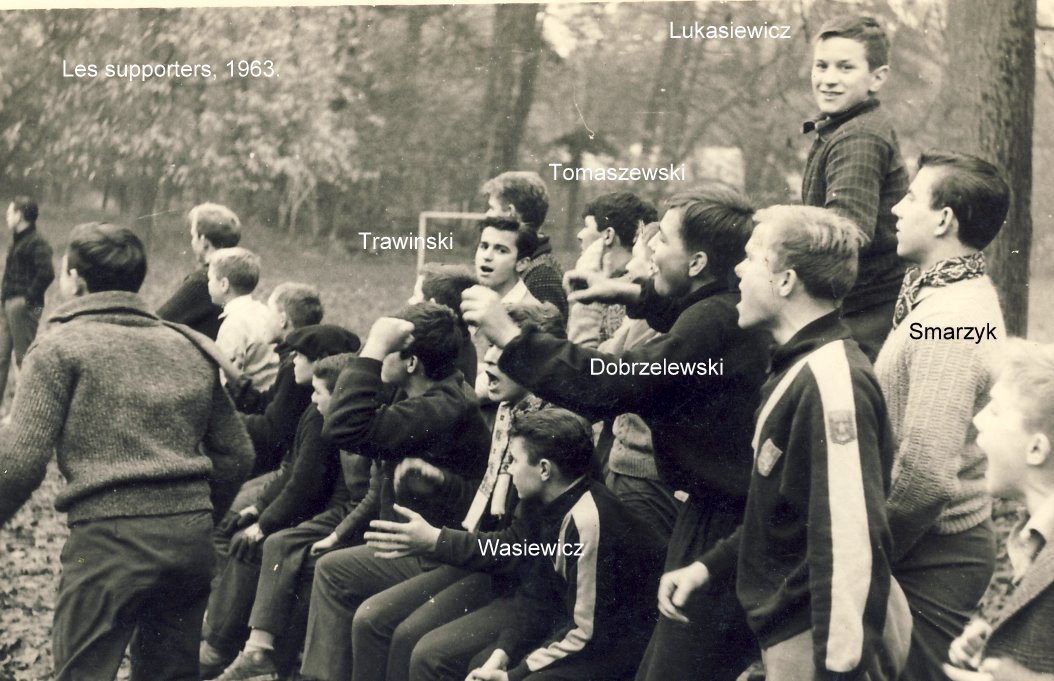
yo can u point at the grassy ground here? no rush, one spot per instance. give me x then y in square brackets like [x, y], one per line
[356, 289]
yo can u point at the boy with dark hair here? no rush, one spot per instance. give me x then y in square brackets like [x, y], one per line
[212, 227]
[273, 601]
[700, 417]
[855, 167]
[572, 610]
[521, 195]
[811, 558]
[151, 450]
[27, 274]
[1011, 639]
[939, 508]
[434, 421]
[617, 218]
[503, 253]
[443, 284]
[247, 334]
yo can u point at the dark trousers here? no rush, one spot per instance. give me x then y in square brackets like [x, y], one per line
[943, 577]
[274, 599]
[716, 644]
[343, 580]
[871, 325]
[444, 654]
[18, 328]
[388, 625]
[650, 500]
[144, 580]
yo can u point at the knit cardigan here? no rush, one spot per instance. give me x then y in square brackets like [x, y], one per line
[933, 389]
[133, 410]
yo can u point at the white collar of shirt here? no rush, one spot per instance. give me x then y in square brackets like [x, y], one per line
[517, 293]
[1029, 537]
[238, 304]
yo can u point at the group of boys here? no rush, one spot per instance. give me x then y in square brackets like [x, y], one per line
[467, 496]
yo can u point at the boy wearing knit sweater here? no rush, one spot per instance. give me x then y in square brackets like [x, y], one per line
[939, 509]
[148, 464]
[1012, 639]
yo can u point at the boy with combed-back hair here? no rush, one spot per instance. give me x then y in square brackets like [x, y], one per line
[521, 195]
[854, 166]
[939, 507]
[212, 226]
[247, 334]
[1011, 639]
[812, 557]
[151, 449]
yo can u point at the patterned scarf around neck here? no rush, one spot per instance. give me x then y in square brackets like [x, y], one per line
[943, 273]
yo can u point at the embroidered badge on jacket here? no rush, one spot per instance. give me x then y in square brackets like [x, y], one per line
[841, 425]
[767, 457]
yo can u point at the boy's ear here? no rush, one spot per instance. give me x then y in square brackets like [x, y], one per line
[1038, 450]
[697, 263]
[412, 364]
[785, 282]
[878, 78]
[522, 264]
[949, 224]
[545, 470]
[225, 284]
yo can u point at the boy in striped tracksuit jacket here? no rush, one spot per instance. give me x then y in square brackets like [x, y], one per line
[812, 554]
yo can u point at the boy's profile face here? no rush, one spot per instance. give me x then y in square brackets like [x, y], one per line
[321, 395]
[526, 476]
[218, 287]
[1003, 434]
[302, 368]
[198, 244]
[418, 296]
[281, 319]
[759, 298]
[500, 388]
[14, 216]
[916, 220]
[497, 263]
[670, 256]
[841, 77]
[588, 234]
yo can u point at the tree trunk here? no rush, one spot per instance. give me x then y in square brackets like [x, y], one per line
[515, 57]
[989, 89]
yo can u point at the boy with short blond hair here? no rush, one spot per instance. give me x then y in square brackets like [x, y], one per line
[247, 334]
[1012, 639]
[854, 166]
[212, 227]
